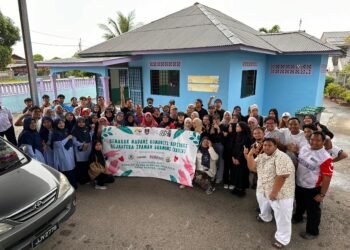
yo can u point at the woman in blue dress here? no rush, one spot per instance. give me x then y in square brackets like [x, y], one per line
[46, 131]
[82, 149]
[63, 151]
[29, 139]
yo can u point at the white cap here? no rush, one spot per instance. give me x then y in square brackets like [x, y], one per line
[286, 114]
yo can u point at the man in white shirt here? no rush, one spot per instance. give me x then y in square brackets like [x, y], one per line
[314, 173]
[6, 125]
[276, 187]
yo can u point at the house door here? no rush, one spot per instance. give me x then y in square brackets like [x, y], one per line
[135, 85]
[118, 76]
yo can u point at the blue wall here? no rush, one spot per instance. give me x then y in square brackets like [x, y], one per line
[226, 65]
[288, 93]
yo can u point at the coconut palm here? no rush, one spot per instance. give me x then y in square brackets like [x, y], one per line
[275, 29]
[121, 25]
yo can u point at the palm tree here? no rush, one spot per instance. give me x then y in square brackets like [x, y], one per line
[275, 29]
[121, 25]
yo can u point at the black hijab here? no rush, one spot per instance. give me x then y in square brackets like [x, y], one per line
[69, 125]
[60, 134]
[30, 136]
[82, 134]
[44, 132]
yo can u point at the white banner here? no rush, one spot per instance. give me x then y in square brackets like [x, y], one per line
[168, 154]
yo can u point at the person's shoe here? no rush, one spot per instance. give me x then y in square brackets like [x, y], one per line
[231, 187]
[98, 187]
[210, 190]
[182, 186]
[307, 236]
[225, 186]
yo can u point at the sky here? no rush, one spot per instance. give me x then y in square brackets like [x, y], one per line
[64, 22]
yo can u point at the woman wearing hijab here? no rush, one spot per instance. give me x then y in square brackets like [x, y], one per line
[69, 122]
[253, 123]
[76, 112]
[59, 112]
[45, 133]
[63, 151]
[97, 156]
[82, 149]
[130, 120]
[30, 141]
[206, 165]
[240, 169]
[188, 124]
[148, 121]
[254, 112]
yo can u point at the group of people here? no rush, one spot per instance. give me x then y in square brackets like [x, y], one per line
[276, 155]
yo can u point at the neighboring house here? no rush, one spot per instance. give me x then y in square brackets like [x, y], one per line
[199, 52]
[338, 38]
[18, 65]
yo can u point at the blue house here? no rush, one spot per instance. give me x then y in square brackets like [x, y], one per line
[199, 52]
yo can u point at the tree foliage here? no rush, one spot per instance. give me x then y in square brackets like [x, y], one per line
[122, 24]
[38, 57]
[274, 29]
[9, 35]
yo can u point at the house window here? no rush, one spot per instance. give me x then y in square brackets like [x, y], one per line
[248, 83]
[165, 82]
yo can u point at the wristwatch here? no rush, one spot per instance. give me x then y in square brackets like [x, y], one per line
[322, 195]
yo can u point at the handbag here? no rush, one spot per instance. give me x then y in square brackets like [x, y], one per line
[95, 169]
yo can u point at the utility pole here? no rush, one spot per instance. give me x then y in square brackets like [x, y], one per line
[22, 5]
[79, 44]
[300, 22]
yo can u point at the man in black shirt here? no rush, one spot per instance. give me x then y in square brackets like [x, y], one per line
[149, 107]
[217, 106]
[199, 108]
[126, 105]
[29, 104]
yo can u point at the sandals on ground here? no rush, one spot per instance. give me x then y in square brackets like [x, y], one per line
[277, 245]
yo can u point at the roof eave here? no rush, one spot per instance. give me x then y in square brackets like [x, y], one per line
[329, 53]
[236, 47]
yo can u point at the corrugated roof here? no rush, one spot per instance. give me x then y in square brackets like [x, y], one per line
[297, 42]
[78, 60]
[198, 27]
[337, 38]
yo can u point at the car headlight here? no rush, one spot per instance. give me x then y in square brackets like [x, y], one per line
[64, 185]
[4, 228]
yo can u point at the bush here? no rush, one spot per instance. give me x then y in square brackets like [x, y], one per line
[335, 90]
[329, 79]
[346, 96]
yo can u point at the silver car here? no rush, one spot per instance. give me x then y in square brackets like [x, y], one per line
[34, 199]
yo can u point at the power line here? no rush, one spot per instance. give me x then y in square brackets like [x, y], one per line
[58, 45]
[58, 36]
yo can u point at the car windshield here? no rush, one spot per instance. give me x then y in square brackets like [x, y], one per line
[10, 156]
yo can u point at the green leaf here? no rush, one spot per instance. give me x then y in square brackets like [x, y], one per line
[110, 133]
[105, 135]
[173, 178]
[195, 142]
[178, 133]
[110, 128]
[191, 138]
[104, 130]
[126, 173]
[194, 134]
[126, 130]
[198, 137]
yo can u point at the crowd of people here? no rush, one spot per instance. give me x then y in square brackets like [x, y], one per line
[276, 155]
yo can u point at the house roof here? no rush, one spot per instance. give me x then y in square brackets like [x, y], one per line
[336, 38]
[91, 61]
[201, 28]
[298, 42]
